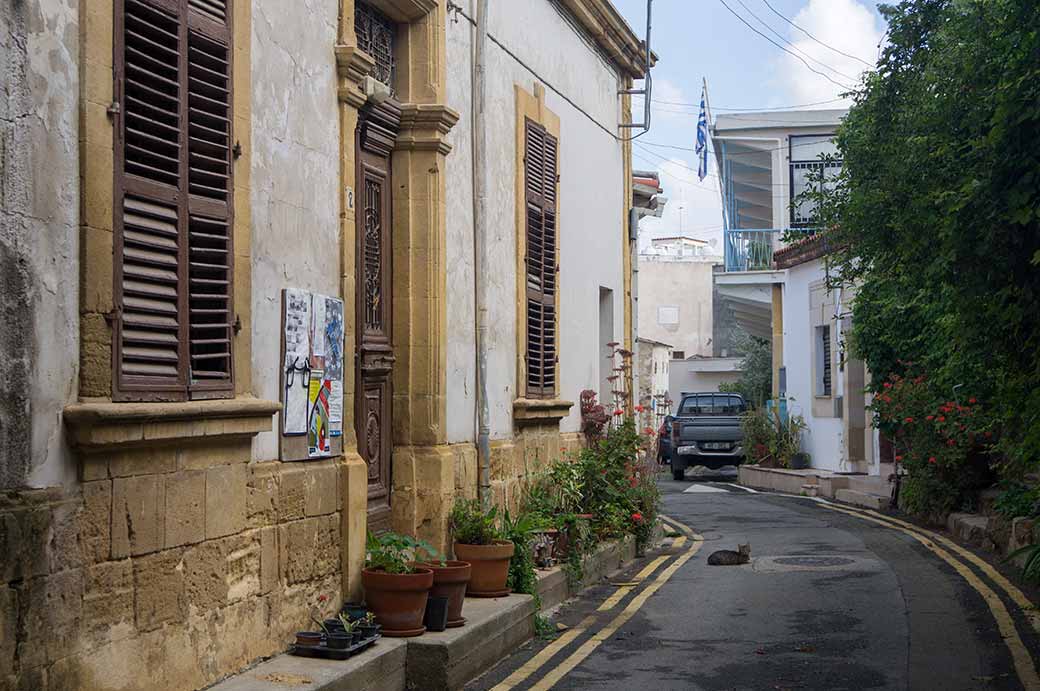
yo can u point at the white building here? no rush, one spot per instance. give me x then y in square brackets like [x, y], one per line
[778, 289]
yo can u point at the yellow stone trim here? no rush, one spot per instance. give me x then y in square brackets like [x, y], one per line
[626, 242]
[531, 107]
[103, 425]
[612, 34]
[778, 335]
[97, 196]
[533, 410]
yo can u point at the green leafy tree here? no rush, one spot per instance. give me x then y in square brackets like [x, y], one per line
[755, 382]
[936, 214]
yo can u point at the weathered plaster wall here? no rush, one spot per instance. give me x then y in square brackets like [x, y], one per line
[686, 285]
[39, 296]
[590, 203]
[295, 174]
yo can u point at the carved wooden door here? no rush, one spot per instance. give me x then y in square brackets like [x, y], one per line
[377, 130]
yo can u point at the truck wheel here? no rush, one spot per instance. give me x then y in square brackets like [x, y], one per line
[678, 470]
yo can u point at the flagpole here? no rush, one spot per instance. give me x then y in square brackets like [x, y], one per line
[722, 196]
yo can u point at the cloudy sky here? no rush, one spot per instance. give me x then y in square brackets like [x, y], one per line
[697, 39]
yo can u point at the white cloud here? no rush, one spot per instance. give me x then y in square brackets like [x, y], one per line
[693, 207]
[847, 25]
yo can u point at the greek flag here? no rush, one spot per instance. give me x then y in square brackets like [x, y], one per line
[702, 141]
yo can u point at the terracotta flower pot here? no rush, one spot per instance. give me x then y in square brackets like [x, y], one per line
[450, 581]
[490, 567]
[398, 599]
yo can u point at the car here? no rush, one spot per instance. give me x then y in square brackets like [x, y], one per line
[664, 441]
[706, 431]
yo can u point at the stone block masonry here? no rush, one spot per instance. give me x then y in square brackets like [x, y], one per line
[164, 570]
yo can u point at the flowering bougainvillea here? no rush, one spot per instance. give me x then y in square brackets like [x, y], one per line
[934, 439]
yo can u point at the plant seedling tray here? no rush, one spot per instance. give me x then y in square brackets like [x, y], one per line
[324, 651]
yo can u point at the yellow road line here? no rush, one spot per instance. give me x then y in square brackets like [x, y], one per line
[575, 658]
[1020, 656]
[1008, 587]
[624, 590]
[532, 665]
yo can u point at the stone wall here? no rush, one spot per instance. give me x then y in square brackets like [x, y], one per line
[167, 568]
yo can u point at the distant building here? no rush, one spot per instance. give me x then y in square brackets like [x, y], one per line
[675, 286]
[653, 359]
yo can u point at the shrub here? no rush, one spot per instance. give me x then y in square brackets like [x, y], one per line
[769, 439]
[395, 553]
[472, 525]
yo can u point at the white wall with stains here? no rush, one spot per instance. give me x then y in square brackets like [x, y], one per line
[39, 238]
[591, 203]
[295, 175]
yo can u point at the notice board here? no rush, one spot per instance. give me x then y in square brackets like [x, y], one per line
[311, 422]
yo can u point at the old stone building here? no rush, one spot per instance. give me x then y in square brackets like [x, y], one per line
[181, 181]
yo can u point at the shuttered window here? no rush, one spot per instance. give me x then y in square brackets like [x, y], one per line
[540, 153]
[173, 326]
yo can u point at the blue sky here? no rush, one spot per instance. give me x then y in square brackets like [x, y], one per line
[697, 39]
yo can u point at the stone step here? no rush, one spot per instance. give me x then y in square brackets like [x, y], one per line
[864, 499]
[495, 627]
[380, 668]
[971, 528]
[870, 484]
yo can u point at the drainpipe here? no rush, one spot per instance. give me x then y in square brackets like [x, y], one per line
[480, 251]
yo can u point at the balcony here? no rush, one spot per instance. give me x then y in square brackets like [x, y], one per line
[751, 249]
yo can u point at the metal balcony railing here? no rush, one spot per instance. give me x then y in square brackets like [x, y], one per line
[751, 249]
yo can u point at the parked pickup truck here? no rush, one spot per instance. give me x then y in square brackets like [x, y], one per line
[706, 431]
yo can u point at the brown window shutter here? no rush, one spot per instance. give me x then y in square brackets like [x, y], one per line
[173, 249]
[210, 256]
[540, 154]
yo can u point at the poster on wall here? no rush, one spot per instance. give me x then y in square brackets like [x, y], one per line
[334, 362]
[312, 374]
[297, 361]
[318, 432]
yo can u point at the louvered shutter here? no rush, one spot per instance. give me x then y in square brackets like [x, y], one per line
[173, 185]
[540, 153]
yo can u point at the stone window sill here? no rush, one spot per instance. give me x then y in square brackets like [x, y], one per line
[98, 425]
[541, 410]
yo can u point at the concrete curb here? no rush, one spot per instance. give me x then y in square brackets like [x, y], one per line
[609, 557]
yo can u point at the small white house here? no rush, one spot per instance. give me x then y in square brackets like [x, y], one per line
[818, 378]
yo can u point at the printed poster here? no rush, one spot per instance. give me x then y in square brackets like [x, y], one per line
[296, 364]
[317, 330]
[318, 431]
[334, 362]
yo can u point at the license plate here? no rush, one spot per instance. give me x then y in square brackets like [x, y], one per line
[716, 445]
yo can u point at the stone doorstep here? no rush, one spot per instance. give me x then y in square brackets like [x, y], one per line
[494, 628]
[448, 659]
[864, 499]
[380, 668]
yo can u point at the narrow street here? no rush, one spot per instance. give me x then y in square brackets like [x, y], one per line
[832, 599]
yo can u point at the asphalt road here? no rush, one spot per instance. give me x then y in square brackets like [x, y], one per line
[830, 601]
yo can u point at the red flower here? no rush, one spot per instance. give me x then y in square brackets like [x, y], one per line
[888, 385]
[619, 412]
[323, 598]
[951, 442]
[637, 517]
[931, 459]
[973, 401]
[909, 419]
[942, 419]
[899, 458]
[930, 418]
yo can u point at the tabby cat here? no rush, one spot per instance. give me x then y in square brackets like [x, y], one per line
[727, 557]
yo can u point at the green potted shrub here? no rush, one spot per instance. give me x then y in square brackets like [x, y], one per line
[396, 588]
[479, 542]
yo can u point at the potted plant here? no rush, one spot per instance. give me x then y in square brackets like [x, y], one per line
[479, 542]
[450, 579]
[367, 626]
[396, 588]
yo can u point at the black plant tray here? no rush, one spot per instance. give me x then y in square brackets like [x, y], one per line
[328, 653]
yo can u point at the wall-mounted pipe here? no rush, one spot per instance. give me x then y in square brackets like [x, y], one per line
[480, 250]
[648, 81]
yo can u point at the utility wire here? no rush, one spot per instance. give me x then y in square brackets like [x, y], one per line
[800, 58]
[793, 46]
[749, 110]
[840, 52]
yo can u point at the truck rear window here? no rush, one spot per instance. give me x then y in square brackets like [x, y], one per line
[711, 404]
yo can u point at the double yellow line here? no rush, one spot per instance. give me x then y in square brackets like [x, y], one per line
[526, 670]
[1020, 655]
